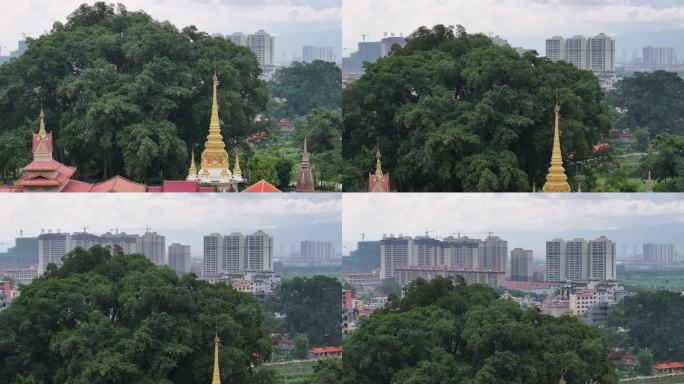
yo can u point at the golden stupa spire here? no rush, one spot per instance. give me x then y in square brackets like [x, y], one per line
[193, 170]
[236, 169]
[534, 186]
[217, 375]
[579, 187]
[649, 183]
[556, 180]
[41, 131]
[378, 164]
[214, 154]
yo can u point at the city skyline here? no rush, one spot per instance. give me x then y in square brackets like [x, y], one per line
[294, 23]
[524, 220]
[182, 218]
[524, 23]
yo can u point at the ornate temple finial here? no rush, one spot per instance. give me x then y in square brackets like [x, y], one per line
[649, 183]
[214, 125]
[556, 180]
[305, 180]
[305, 155]
[41, 131]
[236, 169]
[217, 375]
[193, 170]
[378, 164]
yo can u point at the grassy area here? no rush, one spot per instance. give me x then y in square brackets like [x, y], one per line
[654, 279]
[658, 380]
[292, 373]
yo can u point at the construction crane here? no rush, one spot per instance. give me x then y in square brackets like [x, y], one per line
[116, 230]
[428, 232]
[363, 36]
[363, 236]
[85, 229]
[459, 233]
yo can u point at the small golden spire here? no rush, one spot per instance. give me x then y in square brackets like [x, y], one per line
[193, 170]
[217, 375]
[378, 164]
[579, 187]
[236, 169]
[534, 186]
[214, 154]
[41, 131]
[556, 180]
[649, 183]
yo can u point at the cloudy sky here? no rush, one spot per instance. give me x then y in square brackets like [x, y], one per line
[525, 220]
[525, 23]
[294, 22]
[182, 218]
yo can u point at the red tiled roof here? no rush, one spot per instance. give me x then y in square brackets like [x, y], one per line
[157, 188]
[5, 189]
[40, 181]
[43, 165]
[206, 189]
[118, 184]
[326, 349]
[673, 365]
[77, 186]
[179, 186]
[64, 173]
[262, 186]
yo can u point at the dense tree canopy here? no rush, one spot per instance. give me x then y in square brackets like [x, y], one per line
[455, 112]
[118, 319]
[654, 101]
[311, 307]
[125, 94]
[665, 160]
[301, 87]
[652, 320]
[459, 334]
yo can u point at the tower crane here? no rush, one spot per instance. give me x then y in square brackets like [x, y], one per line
[116, 230]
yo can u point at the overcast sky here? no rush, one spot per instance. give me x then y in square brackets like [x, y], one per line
[525, 220]
[525, 23]
[294, 22]
[182, 218]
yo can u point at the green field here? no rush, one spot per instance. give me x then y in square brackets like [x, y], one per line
[654, 279]
[292, 373]
[658, 380]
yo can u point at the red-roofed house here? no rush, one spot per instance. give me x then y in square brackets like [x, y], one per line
[319, 352]
[668, 368]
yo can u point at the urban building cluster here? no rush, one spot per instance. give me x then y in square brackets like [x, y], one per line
[580, 260]
[596, 53]
[237, 253]
[370, 51]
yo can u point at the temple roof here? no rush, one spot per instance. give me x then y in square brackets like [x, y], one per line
[262, 186]
[118, 184]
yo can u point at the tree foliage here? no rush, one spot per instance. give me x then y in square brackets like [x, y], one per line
[303, 87]
[455, 112]
[652, 320]
[111, 319]
[650, 100]
[311, 306]
[665, 161]
[445, 333]
[125, 94]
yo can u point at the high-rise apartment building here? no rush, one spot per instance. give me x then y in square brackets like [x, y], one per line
[659, 56]
[394, 252]
[576, 52]
[51, 249]
[238, 38]
[521, 264]
[580, 260]
[317, 250]
[595, 53]
[23, 254]
[263, 46]
[386, 44]
[555, 48]
[601, 53]
[213, 251]
[311, 53]
[234, 253]
[153, 246]
[368, 254]
[493, 253]
[259, 251]
[180, 258]
[660, 253]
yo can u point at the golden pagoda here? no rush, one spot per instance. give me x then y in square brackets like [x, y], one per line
[378, 182]
[216, 379]
[556, 180]
[236, 169]
[214, 164]
[193, 170]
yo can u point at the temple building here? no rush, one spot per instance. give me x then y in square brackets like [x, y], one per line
[45, 174]
[556, 180]
[214, 164]
[378, 182]
[305, 180]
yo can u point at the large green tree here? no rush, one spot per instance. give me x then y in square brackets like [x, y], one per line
[652, 320]
[106, 318]
[460, 334]
[125, 94]
[455, 112]
[665, 161]
[650, 100]
[301, 87]
[311, 306]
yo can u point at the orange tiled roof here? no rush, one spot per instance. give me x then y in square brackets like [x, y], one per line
[262, 186]
[326, 349]
[118, 184]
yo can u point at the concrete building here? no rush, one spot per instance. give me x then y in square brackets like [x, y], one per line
[127, 243]
[179, 258]
[234, 253]
[601, 53]
[521, 264]
[660, 253]
[368, 253]
[394, 251]
[23, 254]
[259, 251]
[659, 56]
[387, 42]
[601, 253]
[213, 251]
[311, 53]
[317, 250]
[51, 249]
[579, 260]
[556, 260]
[404, 274]
[238, 38]
[595, 53]
[263, 45]
[493, 253]
[555, 48]
[153, 246]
